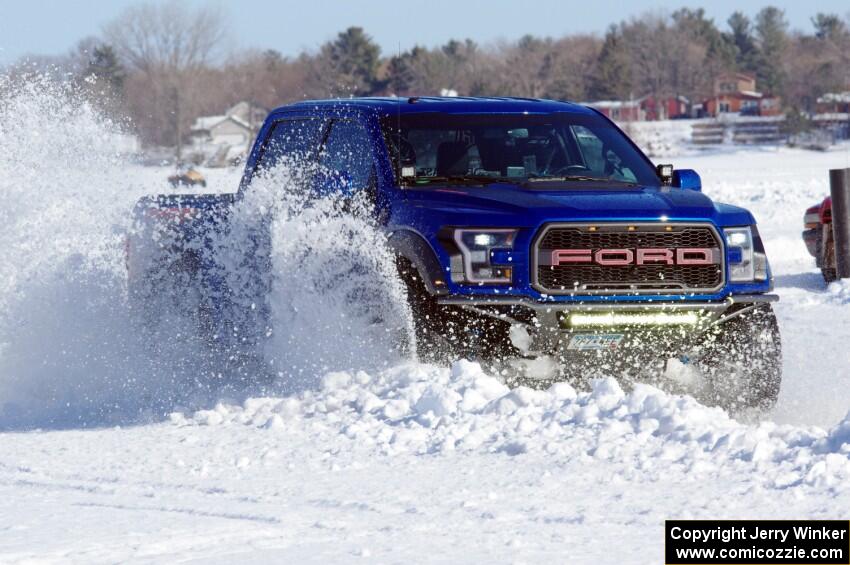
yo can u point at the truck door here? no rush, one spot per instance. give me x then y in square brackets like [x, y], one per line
[290, 149]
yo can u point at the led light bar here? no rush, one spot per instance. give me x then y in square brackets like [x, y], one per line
[634, 319]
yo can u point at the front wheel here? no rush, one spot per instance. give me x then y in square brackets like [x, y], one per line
[742, 361]
[446, 333]
[433, 327]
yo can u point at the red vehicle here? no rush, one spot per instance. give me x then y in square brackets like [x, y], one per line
[818, 237]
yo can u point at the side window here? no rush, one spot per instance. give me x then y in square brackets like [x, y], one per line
[290, 141]
[346, 158]
[600, 160]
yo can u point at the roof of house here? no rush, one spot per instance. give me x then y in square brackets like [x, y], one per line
[829, 97]
[746, 94]
[206, 123]
[739, 75]
[611, 104]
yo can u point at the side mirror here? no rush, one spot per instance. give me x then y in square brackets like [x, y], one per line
[687, 179]
[665, 173]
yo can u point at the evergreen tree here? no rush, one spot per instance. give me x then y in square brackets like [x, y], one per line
[742, 38]
[106, 67]
[720, 50]
[354, 58]
[403, 70]
[829, 27]
[612, 79]
[772, 33]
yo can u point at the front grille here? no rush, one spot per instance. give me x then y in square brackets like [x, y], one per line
[592, 278]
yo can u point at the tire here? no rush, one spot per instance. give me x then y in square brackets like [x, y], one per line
[742, 361]
[826, 255]
[446, 333]
[433, 328]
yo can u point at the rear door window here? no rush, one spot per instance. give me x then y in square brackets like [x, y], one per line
[291, 143]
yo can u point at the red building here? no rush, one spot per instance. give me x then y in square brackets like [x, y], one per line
[833, 103]
[619, 110]
[736, 93]
[644, 108]
[665, 108]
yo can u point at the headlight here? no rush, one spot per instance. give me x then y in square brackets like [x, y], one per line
[487, 254]
[747, 260]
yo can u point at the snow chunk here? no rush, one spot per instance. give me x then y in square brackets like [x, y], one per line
[336, 380]
[438, 401]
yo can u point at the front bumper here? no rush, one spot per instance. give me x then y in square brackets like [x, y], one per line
[544, 321]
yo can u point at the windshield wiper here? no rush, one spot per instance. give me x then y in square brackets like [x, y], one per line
[481, 180]
[477, 180]
[575, 178]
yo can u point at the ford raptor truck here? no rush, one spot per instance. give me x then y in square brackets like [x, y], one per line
[523, 229]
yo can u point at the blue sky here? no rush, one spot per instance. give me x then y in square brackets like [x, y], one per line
[53, 26]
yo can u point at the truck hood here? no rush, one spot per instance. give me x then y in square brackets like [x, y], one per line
[513, 205]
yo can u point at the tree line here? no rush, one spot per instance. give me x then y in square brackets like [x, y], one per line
[163, 65]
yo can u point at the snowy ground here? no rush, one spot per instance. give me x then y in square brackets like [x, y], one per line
[410, 463]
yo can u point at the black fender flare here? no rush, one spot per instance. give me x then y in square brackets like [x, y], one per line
[414, 248]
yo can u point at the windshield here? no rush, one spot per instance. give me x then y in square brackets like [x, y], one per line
[436, 148]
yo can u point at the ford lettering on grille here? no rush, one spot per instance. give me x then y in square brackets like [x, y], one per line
[636, 258]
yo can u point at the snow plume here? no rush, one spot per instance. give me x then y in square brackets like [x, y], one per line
[336, 300]
[69, 354]
[60, 258]
[72, 349]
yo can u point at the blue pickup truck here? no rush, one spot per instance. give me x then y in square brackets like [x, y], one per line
[522, 228]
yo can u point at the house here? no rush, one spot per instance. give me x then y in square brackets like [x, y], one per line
[619, 110]
[645, 108]
[730, 83]
[222, 130]
[833, 103]
[735, 93]
[832, 113]
[249, 112]
[665, 108]
[228, 136]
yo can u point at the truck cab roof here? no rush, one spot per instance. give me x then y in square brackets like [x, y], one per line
[445, 104]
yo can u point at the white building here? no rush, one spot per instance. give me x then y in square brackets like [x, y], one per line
[223, 138]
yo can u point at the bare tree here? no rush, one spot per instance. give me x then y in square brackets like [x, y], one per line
[170, 46]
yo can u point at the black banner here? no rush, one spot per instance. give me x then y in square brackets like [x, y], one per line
[757, 542]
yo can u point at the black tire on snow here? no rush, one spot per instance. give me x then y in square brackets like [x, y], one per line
[433, 326]
[742, 361]
[446, 333]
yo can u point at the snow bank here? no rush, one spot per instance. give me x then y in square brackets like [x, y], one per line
[839, 291]
[429, 410]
